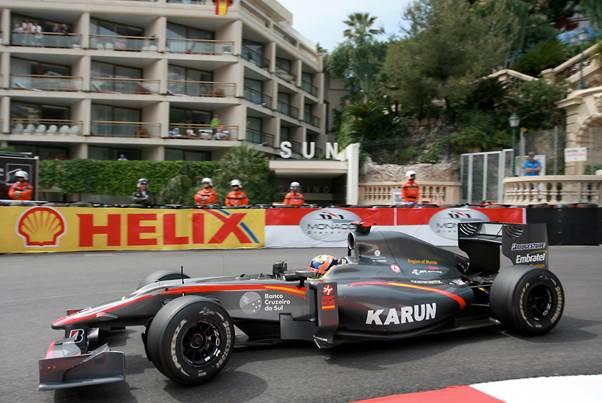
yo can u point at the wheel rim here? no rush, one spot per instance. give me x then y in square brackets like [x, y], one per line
[539, 302]
[201, 344]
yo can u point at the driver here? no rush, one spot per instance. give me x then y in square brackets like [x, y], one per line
[320, 264]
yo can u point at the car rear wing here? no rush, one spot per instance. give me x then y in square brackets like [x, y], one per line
[523, 244]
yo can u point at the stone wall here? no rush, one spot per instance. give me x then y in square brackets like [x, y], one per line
[441, 172]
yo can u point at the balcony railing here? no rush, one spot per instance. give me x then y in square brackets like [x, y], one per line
[553, 189]
[200, 47]
[197, 2]
[257, 137]
[382, 193]
[258, 98]
[47, 40]
[123, 43]
[105, 128]
[309, 87]
[255, 57]
[312, 119]
[288, 109]
[46, 126]
[201, 88]
[190, 131]
[45, 82]
[123, 85]
[286, 75]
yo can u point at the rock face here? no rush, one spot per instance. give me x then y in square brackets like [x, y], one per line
[441, 172]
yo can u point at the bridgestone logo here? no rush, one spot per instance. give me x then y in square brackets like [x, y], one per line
[405, 314]
[528, 246]
[537, 258]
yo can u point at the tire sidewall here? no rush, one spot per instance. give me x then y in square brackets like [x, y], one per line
[534, 278]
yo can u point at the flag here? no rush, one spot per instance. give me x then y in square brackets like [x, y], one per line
[221, 7]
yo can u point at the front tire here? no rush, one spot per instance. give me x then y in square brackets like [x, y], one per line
[527, 300]
[190, 339]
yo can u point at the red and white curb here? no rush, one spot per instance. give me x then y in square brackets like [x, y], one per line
[582, 389]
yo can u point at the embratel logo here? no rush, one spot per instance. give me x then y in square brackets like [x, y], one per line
[445, 222]
[41, 226]
[328, 225]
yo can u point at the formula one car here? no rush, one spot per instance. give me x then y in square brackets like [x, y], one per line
[390, 286]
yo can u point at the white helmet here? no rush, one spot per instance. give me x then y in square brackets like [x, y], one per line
[142, 181]
[235, 182]
[295, 185]
[410, 173]
[207, 180]
[22, 174]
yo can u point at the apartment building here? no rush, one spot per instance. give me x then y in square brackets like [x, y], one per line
[155, 79]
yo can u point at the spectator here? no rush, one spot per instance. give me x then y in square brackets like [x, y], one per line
[532, 167]
[206, 196]
[122, 158]
[215, 123]
[294, 197]
[21, 189]
[410, 191]
[236, 197]
[142, 195]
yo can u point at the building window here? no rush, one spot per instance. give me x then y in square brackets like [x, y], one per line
[285, 133]
[23, 110]
[187, 81]
[283, 64]
[100, 69]
[253, 52]
[254, 130]
[254, 91]
[19, 67]
[44, 152]
[177, 154]
[195, 117]
[113, 153]
[175, 31]
[106, 121]
[108, 28]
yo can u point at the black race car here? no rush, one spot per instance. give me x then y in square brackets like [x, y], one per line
[390, 286]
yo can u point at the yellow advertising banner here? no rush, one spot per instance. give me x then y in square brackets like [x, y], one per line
[67, 229]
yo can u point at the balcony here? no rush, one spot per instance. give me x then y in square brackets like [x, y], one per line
[286, 76]
[258, 98]
[309, 88]
[288, 109]
[312, 120]
[105, 128]
[255, 57]
[553, 189]
[123, 43]
[201, 88]
[47, 40]
[196, 2]
[257, 137]
[123, 85]
[382, 193]
[200, 47]
[45, 82]
[188, 131]
[46, 127]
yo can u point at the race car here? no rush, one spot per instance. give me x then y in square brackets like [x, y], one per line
[389, 286]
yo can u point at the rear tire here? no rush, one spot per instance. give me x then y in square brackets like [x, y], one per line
[527, 300]
[161, 275]
[190, 339]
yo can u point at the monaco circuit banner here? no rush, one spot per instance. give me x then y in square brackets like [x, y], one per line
[328, 227]
[65, 229]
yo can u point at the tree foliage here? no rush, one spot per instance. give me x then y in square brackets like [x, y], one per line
[544, 55]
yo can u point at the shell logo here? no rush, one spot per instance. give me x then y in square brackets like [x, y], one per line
[41, 226]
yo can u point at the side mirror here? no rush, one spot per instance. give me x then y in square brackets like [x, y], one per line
[279, 268]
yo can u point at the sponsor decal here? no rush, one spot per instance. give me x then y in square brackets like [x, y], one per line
[328, 225]
[530, 258]
[528, 246]
[377, 252]
[422, 261]
[41, 226]
[395, 268]
[251, 302]
[445, 222]
[77, 335]
[328, 302]
[426, 281]
[401, 315]
[275, 302]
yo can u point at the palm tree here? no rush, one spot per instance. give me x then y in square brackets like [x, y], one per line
[361, 27]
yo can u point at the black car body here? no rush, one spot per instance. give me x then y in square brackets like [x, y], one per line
[390, 286]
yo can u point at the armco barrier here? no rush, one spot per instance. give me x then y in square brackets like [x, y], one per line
[35, 228]
[569, 225]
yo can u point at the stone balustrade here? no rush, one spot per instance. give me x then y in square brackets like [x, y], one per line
[553, 189]
[382, 193]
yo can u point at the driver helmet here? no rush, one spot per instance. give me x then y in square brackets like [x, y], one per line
[22, 174]
[319, 265]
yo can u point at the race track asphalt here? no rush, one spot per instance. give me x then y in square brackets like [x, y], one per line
[34, 290]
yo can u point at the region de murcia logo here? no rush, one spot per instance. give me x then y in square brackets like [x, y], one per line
[41, 226]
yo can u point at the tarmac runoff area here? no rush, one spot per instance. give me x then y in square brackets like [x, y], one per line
[36, 289]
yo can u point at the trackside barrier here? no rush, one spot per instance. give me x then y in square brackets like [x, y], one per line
[568, 225]
[36, 228]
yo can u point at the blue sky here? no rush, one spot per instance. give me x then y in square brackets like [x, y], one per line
[322, 20]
